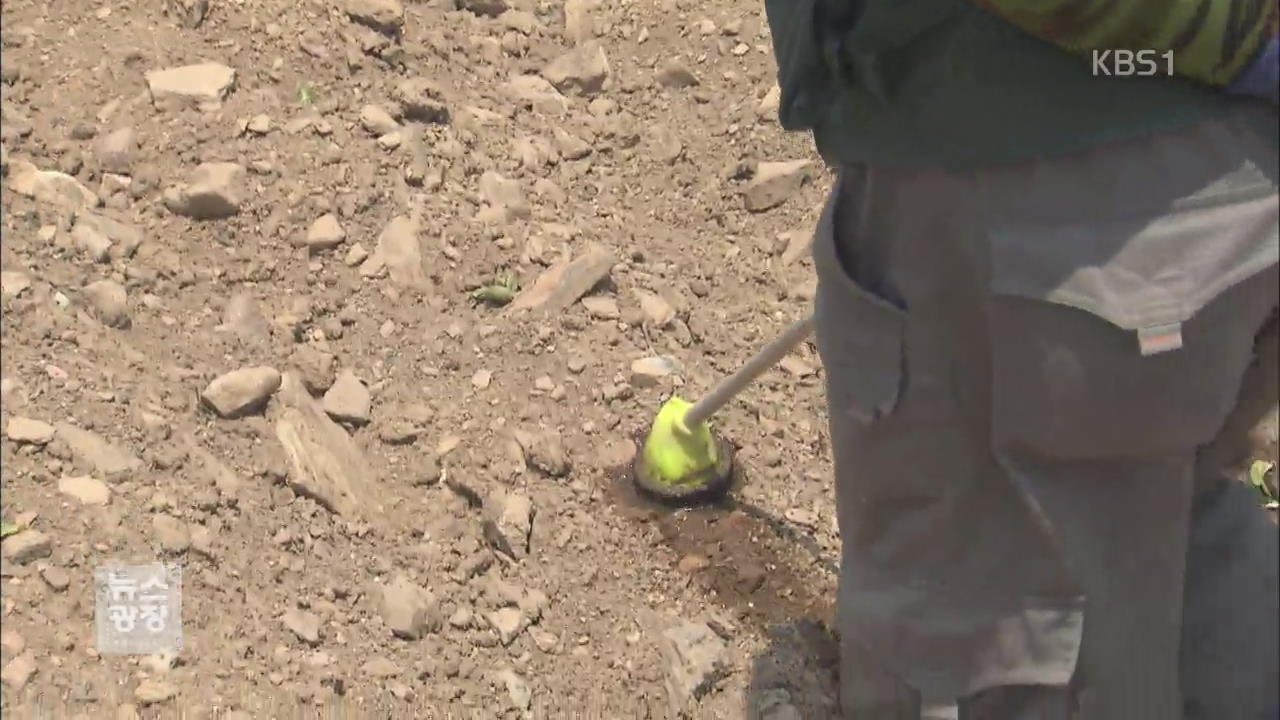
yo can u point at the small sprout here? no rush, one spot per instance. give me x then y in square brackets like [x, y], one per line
[502, 291]
[1258, 478]
[7, 528]
[306, 94]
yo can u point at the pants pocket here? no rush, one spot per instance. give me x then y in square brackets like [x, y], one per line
[1127, 337]
[859, 333]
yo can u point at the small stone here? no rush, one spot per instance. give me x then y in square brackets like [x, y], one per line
[657, 311]
[398, 431]
[91, 241]
[584, 69]
[325, 233]
[11, 642]
[241, 392]
[649, 372]
[306, 625]
[258, 124]
[601, 307]
[538, 94]
[154, 691]
[380, 667]
[19, 671]
[564, 284]
[85, 489]
[110, 303]
[694, 661]
[400, 252]
[507, 622]
[90, 448]
[117, 150]
[774, 183]
[692, 564]
[356, 254]
[26, 545]
[315, 367]
[202, 540]
[578, 24]
[481, 379]
[26, 431]
[213, 191]
[349, 400]
[13, 283]
[489, 8]
[408, 610]
[518, 690]
[386, 16]
[769, 104]
[203, 84]
[515, 523]
[376, 120]
[55, 577]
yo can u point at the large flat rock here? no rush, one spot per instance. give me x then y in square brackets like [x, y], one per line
[324, 462]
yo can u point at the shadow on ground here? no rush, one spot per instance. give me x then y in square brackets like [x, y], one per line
[768, 574]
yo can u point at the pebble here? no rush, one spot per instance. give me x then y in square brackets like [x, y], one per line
[116, 151]
[408, 610]
[27, 431]
[325, 233]
[601, 307]
[85, 489]
[110, 303]
[774, 183]
[242, 392]
[304, 624]
[213, 191]
[348, 400]
[650, 371]
[55, 577]
[202, 85]
[25, 546]
[154, 691]
[19, 671]
[380, 667]
[507, 622]
[518, 691]
[583, 69]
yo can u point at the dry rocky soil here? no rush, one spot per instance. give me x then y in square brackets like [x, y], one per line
[354, 308]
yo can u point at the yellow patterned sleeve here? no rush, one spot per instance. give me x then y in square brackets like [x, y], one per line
[1212, 41]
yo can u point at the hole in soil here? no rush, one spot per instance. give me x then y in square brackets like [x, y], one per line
[755, 563]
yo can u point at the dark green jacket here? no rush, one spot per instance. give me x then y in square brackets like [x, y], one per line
[945, 83]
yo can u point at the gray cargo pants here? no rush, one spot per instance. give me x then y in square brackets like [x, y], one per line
[1040, 379]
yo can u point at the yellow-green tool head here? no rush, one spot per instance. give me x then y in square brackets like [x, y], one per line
[682, 463]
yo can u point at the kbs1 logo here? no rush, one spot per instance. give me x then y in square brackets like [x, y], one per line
[1132, 63]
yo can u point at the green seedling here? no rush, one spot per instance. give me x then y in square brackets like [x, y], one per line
[7, 528]
[306, 94]
[1258, 479]
[502, 291]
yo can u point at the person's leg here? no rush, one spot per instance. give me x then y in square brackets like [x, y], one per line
[1231, 636]
[1016, 405]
